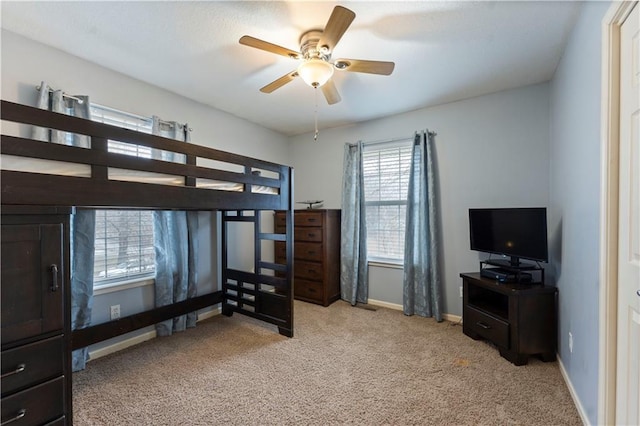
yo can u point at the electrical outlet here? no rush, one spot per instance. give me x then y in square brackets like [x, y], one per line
[115, 312]
[570, 342]
[461, 292]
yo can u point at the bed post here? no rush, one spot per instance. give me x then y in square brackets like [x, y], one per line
[288, 329]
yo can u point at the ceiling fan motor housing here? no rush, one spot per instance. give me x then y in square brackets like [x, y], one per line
[309, 46]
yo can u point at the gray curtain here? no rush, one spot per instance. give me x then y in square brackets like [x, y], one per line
[422, 293]
[354, 283]
[82, 222]
[175, 243]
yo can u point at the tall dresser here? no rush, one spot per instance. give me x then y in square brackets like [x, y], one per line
[316, 252]
[36, 365]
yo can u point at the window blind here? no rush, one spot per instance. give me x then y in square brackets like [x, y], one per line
[386, 179]
[124, 238]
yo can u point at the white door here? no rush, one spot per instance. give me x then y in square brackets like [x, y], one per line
[628, 365]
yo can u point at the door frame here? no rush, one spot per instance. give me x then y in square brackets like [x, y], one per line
[609, 181]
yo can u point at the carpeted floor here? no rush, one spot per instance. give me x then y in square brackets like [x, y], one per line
[344, 366]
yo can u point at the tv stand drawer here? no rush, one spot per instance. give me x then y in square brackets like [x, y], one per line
[487, 326]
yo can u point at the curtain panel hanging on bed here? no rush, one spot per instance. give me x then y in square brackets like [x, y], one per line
[83, 221]
[175, 244]
[354, 283]
[422, 294]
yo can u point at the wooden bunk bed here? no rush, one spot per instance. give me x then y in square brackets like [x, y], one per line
[35, 201]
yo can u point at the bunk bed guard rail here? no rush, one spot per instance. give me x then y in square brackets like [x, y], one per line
[41, 173]
[118, 180]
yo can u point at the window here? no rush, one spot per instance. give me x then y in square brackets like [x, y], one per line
[124, 238]
[386, 179]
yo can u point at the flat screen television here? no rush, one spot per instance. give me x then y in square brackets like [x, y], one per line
[513, 232]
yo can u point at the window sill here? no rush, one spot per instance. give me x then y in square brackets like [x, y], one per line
[383, 264]
[122, 285]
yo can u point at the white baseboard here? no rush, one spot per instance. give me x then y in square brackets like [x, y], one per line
[572, 392]
[384, 304]
[143, 337]
[124, 344]
[452, 318]
[209, 314]
[397, 307]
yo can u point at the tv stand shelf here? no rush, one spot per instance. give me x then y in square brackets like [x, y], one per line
[520, 319]
[529, 273]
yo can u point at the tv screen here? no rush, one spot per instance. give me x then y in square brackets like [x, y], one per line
[514, 232]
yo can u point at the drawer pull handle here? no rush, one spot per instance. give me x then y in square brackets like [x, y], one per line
[19, 369]
[54, 277]
[17, 417]
[311, 234]
[311, 271]
[483, 325]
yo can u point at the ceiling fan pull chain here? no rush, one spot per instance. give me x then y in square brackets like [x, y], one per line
[315, 136]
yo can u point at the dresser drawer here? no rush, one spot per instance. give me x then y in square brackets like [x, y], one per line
[36, 405]
[307, 234]
[308, 270]
[308, 219]
[280, 221]
[487, 326]
[308, 289]
[302, 250]
[33, 363]
[309, 251]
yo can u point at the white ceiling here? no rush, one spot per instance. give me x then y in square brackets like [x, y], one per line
[443, 51]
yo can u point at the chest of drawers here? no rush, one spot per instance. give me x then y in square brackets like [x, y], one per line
[36, 367]
[316, 254]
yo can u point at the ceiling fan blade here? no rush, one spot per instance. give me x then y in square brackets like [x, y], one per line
[331, 93]
[359, 65]
[338, 22]
[269, 47]
[279, 82]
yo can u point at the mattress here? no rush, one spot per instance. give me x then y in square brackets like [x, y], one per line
[60, 168]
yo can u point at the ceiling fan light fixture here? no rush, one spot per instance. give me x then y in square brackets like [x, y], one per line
[315, 72]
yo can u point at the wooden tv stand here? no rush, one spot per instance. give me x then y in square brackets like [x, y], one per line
[520, 319]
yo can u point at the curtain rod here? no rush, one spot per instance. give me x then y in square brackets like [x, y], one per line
[384, 141]
[137, 116]
[80, 101]
[129, 114]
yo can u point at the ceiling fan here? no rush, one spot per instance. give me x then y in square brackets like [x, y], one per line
[316, 47]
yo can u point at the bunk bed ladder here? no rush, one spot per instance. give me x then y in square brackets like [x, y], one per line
[266, 292]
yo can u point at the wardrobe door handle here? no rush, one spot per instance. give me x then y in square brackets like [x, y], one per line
[19, 369]
[54, 277]
[17, 417]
